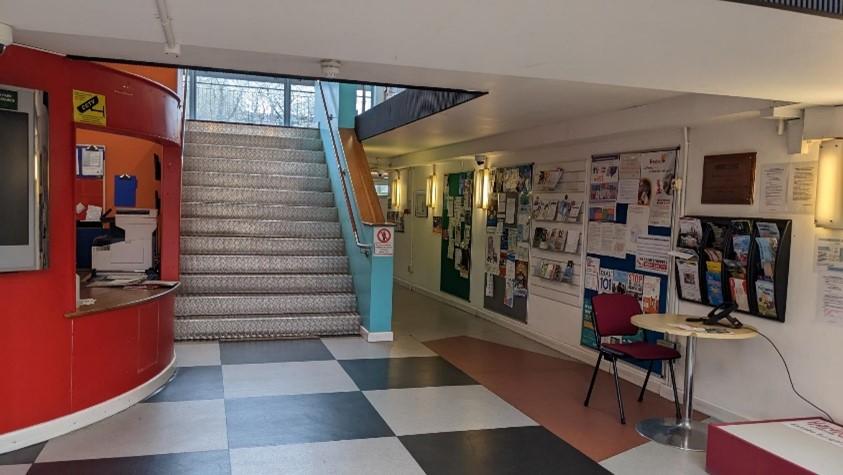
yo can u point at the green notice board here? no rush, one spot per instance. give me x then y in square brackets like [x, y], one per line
[455, 276]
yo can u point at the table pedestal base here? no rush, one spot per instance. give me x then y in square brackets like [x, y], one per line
[686, 435]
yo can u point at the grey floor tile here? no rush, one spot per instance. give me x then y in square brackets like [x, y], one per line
[444, 409]
[145, 429]
[197, 353]
[279, 420]
[656, 459]
[20, 469]
[515, 450]
[351, 457]
[279, 351]
[276, 379]
[391, 373]
[192, 383]
[355, 347]
[191, 463]
[22, 456]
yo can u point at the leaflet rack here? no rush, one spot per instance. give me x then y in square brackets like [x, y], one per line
[741, 260]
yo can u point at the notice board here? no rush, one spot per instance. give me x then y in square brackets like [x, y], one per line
[455, 275]
[630, 211]
[508, 241]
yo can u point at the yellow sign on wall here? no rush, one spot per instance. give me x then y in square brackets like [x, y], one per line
[89, 108]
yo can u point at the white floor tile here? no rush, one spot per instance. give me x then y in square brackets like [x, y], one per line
[146, 429]
[14, 469]
[656, 459]
[444, 409]
[354, 347]
[348, 457]
[198, 353]
[276, 379]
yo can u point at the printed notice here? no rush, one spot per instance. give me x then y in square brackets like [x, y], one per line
[820, 429]
[828, 252]
[637, 220]
[592, 272]
[630, 174]
[803, 187]
[774, 188]
[384, 242]
[832, 295]
[652, 254]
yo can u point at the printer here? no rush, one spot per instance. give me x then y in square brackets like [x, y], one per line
[129, 244]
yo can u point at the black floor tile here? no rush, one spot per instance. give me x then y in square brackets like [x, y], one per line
[22, 456]
[518, 450]
[191, 384]
[395, 373]
[191, 463]
[246, 352]
[277, 420]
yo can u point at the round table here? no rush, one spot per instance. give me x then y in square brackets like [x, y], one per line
[684, 433]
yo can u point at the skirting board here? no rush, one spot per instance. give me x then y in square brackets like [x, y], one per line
[50, 429]
[588, 356]
[373, 337]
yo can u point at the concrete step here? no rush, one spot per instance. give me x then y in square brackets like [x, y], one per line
[253, 153]
[265, 304]
[268, 167]
[260, 327]
[194, 209]
[259, 228]
[197, 284]
[245, 264]
[219, 194]
[240, 140]
[261, 246]
[250, 129]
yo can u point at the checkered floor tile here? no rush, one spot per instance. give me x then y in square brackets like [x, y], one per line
[315, 406]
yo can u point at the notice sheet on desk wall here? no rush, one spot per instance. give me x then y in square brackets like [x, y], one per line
[832, 297]
[630, 173]
[637, 219]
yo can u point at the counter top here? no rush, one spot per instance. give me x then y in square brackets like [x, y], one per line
[111, 298]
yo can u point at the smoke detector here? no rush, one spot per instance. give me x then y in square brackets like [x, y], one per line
[330, 68]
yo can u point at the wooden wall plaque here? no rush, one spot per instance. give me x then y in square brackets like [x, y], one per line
[728, 179]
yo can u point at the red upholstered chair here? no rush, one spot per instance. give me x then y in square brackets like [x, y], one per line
[612, 315]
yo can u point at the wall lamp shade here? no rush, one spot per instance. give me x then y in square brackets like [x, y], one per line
[430, 196]
[396, 192]
[481, 188]
[829, 207]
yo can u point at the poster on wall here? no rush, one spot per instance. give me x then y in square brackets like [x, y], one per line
[603, 189]
[656, 185]
[728, 179]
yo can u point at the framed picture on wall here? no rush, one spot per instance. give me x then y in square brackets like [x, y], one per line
[420, 204]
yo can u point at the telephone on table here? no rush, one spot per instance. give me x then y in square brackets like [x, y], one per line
[720, 312]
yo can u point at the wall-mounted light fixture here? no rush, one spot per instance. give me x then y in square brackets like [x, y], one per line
[481, 188]
[430, 197]
[396, 190]
[829, 206]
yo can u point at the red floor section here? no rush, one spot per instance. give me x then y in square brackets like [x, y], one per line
[551, 392]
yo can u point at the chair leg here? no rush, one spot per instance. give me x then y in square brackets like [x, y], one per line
[593, 378]
[675, 392]
[618, 388]
[646, 380]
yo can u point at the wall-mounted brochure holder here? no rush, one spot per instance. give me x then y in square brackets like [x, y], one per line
[740, 260]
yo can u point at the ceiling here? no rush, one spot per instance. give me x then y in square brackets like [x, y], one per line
[541, 60]
[512, 103]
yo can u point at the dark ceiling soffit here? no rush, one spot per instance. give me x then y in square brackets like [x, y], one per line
[790, 8]
[272, 75]
[408, 107]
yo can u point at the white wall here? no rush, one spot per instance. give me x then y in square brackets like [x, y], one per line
[733, 379]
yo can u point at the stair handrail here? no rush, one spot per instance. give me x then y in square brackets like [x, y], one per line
[343, 172]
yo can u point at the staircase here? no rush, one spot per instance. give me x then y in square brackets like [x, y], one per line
[262, 254]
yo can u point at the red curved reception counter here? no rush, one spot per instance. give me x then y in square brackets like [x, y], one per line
[63, 367]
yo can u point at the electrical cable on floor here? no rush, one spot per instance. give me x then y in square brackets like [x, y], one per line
[790, 378]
